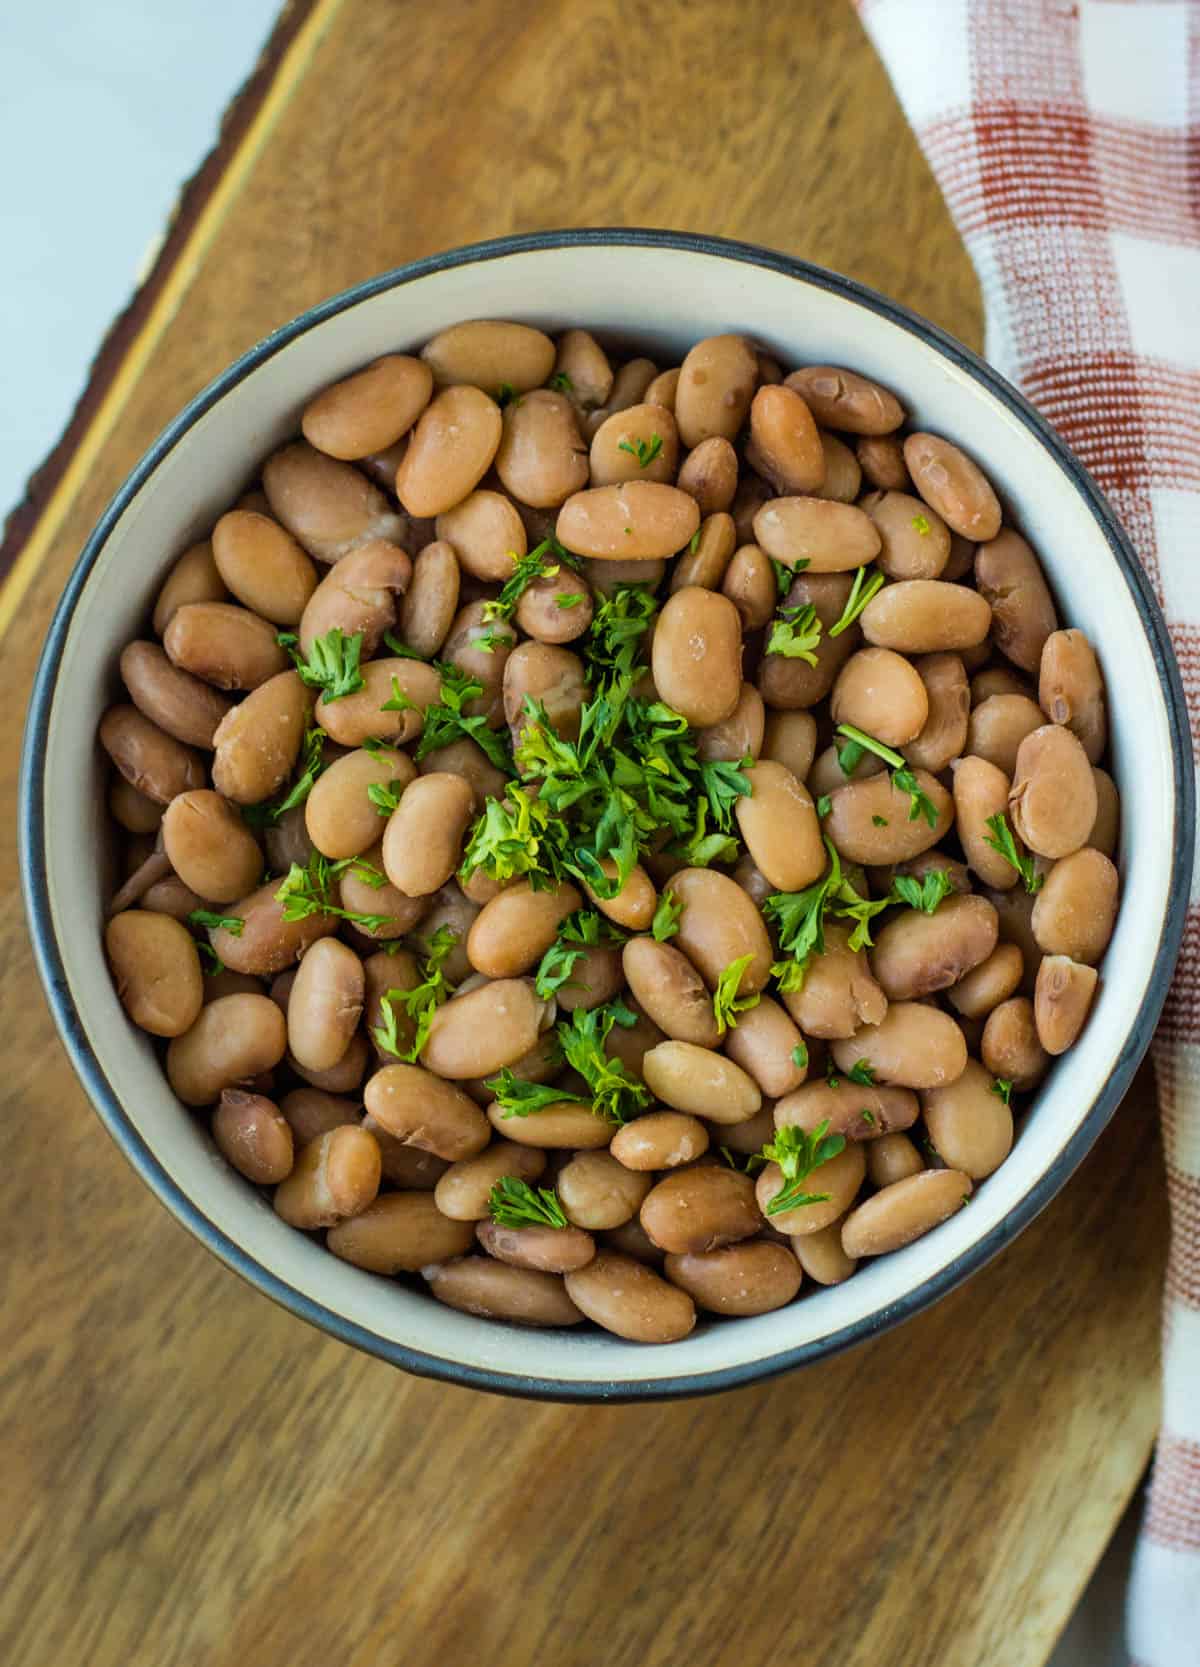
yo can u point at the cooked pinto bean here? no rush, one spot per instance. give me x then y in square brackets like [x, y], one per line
[709, 474]
[566, 1124]
[1010, 1047]
[786, 441]
[359, 595]
[737, 736]
[707, 563]
[953, 485]
[671, 990]
[753, 1277]
[881, 459]
[857, 1111]
[660, 1140]
[402, 1232]
[423, 840]
[1071, 690]
[790, 738]
[180, 704]
[329, 507]
[827, 537]
[891, 1158]
[1009, 576]
[335, 1176]
[156, 971]
[632, 521]
[695, 1210]
[926, 616]
[263, 566]
[970, 1126]
[1076, 909]
[477, 1034]
[904, 1211]
[839, 993]
[628, 1298]
[257, 742]
[869, 821]
[915, 540]
[705, 1084]
[716, 384]
[719, 924]
[989, 983]
[765, 1044]
[429, 605]
[325, 1004]
[790, 684]
[423, 1110]
[623, 440]
[512, 932]
[464, 1190]
[194, 578]
[980, 793]
[832, 1185]
[1052, 802]
[230, 1041]
[452, 447]
[490, 354]
[1062, 1001]
[944, 734]
[369, 411]
[1106, 827]
[997, 727]
[820, 1254]
[697, 655]
[210, 847]
[779, 823]
[843, 477]
[252, 1134]
[582, 364]
[916, 954]
[341, 818]
[843, 399]
[749, 583]
[884, 690]
[912, 1046]
[597, 1192]
[148, 758]
[495, 1291]
[547, 1249]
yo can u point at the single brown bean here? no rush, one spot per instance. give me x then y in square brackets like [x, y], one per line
[405, 1167]
[422, 1109]
[400, 1233]
[263, 566]
[553, 676]
[845, 400]
[310, 1112]
[790, 738]
[778, 822]
[565, 1124]
[1009, 575]
[452, 447]
[252, 1134]
[230, 1041]
[335, 1176]
[821, 1255]
[981, 793]
[325, 1004]
[660, 1140]
[633, 521]
[970, 1126]
[423, 839]
[464, 1190]
[583, 366]
[926, 616]
[133, 810]
[749, 583]
[765, 1043]
[839, 993]
[750, 1278]
[843, 477]
[696, 656]
[210, 847]
[953, 485]
[224, 645]
[720, 924]
[791, 684]
[1052, 802]
[1071, 690]
[369, 411]
[748, 1137]
[267, 943]
[595, 978]
[328, 506]
[480, 647]
[912, 1046]
[827, 774]
[944, 734]
[1076, 909]
[624, 439]
[707, 558]
[737, 736]
[633, 906]
[555, 609]
[1106, 827]
[466, 759]
[430, 603]
[343, 1078]
[786, 441]
[353, 719]
[999, 680]
[486, 534]
[547, 1249]
[156, 971]
[598, 1193]
[450, 909]
[493, 1290]
[891, 1158]
[881, 691]
[709, 474]
[1062, 1000]
[360, 893]
[661, 390]
[630, 383]
[997, 727]
[194, 578]
[917, 954]
[170, 897]
[716, 384]
[624, 1296]
[829, 537]
[257, 742]
[149, 759]
[691, 1211]
[542, 458]
[857, 1111]
[838, 1178]
[989, 983]
[881, 459]
[512, 932]
[869, 821]
[672, 992]
[705, 1084]
[1010, 1047]
[359, 596]
[491, 354]
[341, 818]
[904, 1211]
[181, 705]
[478, 1034]
[915, 541]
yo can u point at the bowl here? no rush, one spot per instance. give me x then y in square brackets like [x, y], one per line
[654, 292]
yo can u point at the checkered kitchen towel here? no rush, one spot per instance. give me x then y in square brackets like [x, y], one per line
[1065, 135]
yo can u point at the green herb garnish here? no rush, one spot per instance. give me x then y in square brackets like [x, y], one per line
[307, 891]
[800, 1056]
[580, 932]
[332, 663]
[903, 778]
[505, 394]
[798, 1153]
[861, 592]
[783, 576]
[666, 917]
[862, 1073]
[926, 893]
[515, 1203]
[568, 599]
[615, 1095]
[385, 797]
[544, 562]
[221, 923]
[560, 382]
[796, 634]
[420, 1003]
[644, 450]
[1002, 1088]
[449, 721]
[727, 1004]
[1005, 843]
[921, 523]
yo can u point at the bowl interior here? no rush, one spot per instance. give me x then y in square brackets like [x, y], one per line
[659, 299]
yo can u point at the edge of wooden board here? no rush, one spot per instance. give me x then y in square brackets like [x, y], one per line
[132, 337]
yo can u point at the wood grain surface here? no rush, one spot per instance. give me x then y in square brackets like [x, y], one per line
[192, 1477]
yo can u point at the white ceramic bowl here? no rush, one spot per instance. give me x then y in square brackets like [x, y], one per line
[657, 292]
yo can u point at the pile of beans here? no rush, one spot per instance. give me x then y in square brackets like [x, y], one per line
[795, 1012]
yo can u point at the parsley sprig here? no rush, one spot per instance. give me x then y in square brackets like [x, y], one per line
[904, 779]
[216, 922]
[925, 894]
[307, 890]
[580, 932]
[644, 450]
[448, 720]
[514, 1203]
[1003, 840]
[1002, 1088]
[727, 1004]
[867, 583]
[332, 663]
[796, 634]
[544, 562]
[512, 837]
[666, 917]
[614, 1094]
[310, 767]
[799, 917]
[798, 1152]
[418, 1004]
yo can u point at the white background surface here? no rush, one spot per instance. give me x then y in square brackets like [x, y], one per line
[108, 105]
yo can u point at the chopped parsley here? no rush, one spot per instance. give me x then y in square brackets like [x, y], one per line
[615, 1094]
[310, 767]
[800, 1056]
[861, 592]
[903, 777]
[796, 634]
[666, 917]
[921, 523]
[449, 721]
[1002, 840]
[307, 890]
[515, 1203]
[418, 1004]
[727, 1004]
[332, 664]
[216, 922]
[561, 382]
[862, 1073]
[798, 1152]
[577, 934]
[644, 450]
[926, 893]
[783, 575]
[1002, 1088]
[385, 796]
[544, 562]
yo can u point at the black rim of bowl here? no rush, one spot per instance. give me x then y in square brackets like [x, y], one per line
[135, 1149]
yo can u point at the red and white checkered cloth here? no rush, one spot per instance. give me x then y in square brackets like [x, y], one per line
[1065, 135]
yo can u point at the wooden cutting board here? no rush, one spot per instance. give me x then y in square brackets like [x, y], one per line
[189, 1475]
